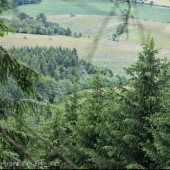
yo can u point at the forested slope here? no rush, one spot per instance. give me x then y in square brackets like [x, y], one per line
[61, 66]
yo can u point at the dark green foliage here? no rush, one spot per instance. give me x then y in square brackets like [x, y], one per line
[18, 141]
[4, 6]
[126, 127]
[89, 116]
[86, 113]
[142, 100]
[23, 75]
[120, 29]
[77, 35]
[23, 16]
[56, 64]
[48, 61]
[12, 138]
[158, 150]
[26, 24]
[59, 65]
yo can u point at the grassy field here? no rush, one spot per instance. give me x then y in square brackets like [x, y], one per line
[93, 7]
[138, 30]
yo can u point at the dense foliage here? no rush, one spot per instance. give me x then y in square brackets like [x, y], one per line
[26, 24]
[104, 127]
[126, 127]
[4, 6]
[60, 66]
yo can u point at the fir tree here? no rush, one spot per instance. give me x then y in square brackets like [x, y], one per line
[158, 150]
[139, 102]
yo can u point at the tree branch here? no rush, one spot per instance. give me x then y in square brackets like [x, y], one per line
[16, 145]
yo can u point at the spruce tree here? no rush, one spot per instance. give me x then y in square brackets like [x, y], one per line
[85, 129]
[140, 100]
[158, 150]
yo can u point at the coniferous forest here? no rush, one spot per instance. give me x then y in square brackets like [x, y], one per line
[59, 111]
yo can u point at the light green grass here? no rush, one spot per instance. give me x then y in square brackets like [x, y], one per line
[93, 7]
[138, 30]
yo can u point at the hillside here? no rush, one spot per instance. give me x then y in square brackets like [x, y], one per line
[92, 7]
[115, 55]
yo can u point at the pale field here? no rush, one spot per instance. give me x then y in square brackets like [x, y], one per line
[160, 2]
[138, 29]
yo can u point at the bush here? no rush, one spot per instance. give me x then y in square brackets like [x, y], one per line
[114, 37]
[120, 29]
[151, 3]
[72, 15]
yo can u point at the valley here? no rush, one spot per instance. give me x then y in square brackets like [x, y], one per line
[115, 55]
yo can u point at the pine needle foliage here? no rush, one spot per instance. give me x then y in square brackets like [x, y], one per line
[24, 76]
[142, 100]
[17, 139]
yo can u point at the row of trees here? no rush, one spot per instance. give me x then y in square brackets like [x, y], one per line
[26, 24]
[24, 2]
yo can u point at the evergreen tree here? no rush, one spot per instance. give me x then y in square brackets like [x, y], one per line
[4, 6]
[158, 150]
[141, 100]
[85, 129]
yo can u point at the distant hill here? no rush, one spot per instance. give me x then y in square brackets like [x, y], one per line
[163, 3]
